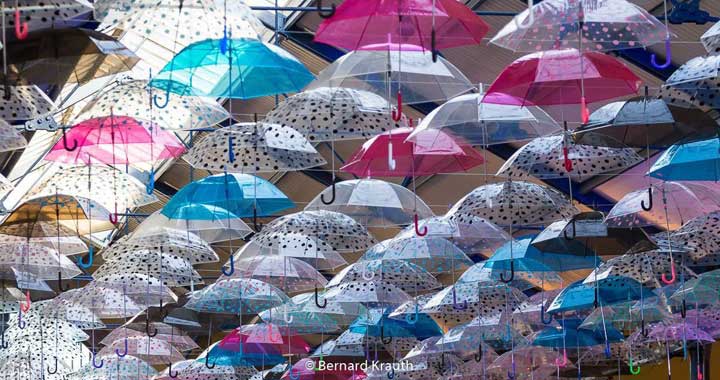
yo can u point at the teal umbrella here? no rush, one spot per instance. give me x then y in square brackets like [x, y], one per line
[608, 291]
[694, 161]
[527, 258]
[235, 68]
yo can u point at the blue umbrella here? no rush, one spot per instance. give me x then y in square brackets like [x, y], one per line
[694, 161]
[376, 322]
[235, 68]
[527, 258]
[610, 290]
[241, 195]
[570, 335]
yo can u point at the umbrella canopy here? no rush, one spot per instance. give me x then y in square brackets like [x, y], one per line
[431, 152]
[41, 15]
[646, 268]
[693, 161]
[213, 224]
[699, 236]
[376, 322]
[372, 203]
[569, 335]
[556, 24]
[67, 56]
[178, 243]
[326, 114]
[131, 99]
[236, 296]
[527, 258]
[611, 290]
[170, 269]
[42, 262]
[642, 122]
[238, 68]
[413, 73]
[304, 370]
[103, 301]
[435, 254]
[143, 289]
[479, 123]
[55, 215]
[545, 157]
[26, 102]
[402, 23]
[678, 332]
[150, 350]
[286, 273]
[114, 367]
[513, 202]
[173, 335]
[241, 195]
[702, 290]
[402, 274]
[543, 79]
[275, 338]
[711, 38]
[254, 148]
[308, 248]
[368, 293]
[10, 138]
[462, 302]
[115, 140]
[694, 84]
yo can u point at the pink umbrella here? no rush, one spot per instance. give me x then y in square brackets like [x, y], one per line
[431, 24]
[558, 77]
[304, 369]
[432, 151]
[265, 337]
[115, 140]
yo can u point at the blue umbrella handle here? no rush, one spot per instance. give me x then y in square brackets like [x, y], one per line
[232, 267]
[125, 352]
[167, 99]
[391, 373]
[542, 316]
[86, 264]
[413, 318]
[231, 150]
[608, 353]
[668, 56]
[95, 363]
[150, 188]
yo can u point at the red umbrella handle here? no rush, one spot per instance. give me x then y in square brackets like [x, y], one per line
[397, 113]
[584, 111]
[568, 163]
[21, 28]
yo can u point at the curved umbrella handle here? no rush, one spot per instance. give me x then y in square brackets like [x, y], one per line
[383, 338]
[397, 113]
[367, 275]
[113, 216]
[229, 272]
[296, 375]
[392, 164]
[650, 201]
[563, 361]
[207, 362]
[287, 317]
[231, 150]
[673, 273]
[25, 307]
[86, 264]
[542, 316]
[150, 188]
[317, 300]
[95, 363]
[531, 17]
[567, 162]
[456, 305]
[322, 13]
[124, 353]
[596, 301]
[574, 232]
[60, 283]
[418, 231]
[635, 370]
[65, 141]
[3, 343]
[21, 27]
[479, 354]
[7, 95]
[53, 371]
[668, 57]
[165, 103]
[170, 371]
[21, 323]
[412, 318]
[147, 329]
[332, 195]
[391, 373]
[433, 46]
[512, 274]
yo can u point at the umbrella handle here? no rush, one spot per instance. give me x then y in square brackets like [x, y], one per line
[65, 142]
[232, 267]
[287, 317]
[256, 225]
[391, 373]
[60, 283]
[512, 274]
[147, 329]
[332, 196]
[383, 338]
[530, 20]
[95, 363]
[113, 216]
[456, 305]
[82, 263]
[397, 113]
[418, 231]
[574, 232]
[21, 323]
[294, 376]
[433, 46]
[563, 361]
[28, 302]
[643, 331]
[479, 355]
[6, 88]
[322, 13]
[673, 273]
[567, 161]
[650, 201]
[150, 188]
[317, 300]
[170, 371]
[231, 150]
[207, 362]
[683, 310]
[668, 57]
[542, 316]
[167, 99]
[21, 27]
[367, 275]
[53, 371]
[3, 343]
[412, 319]
[122, 355]
[635, 370]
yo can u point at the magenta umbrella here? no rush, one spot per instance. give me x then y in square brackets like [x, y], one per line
[558, 77]
[430, 24]
[115, 140]
[431, 152]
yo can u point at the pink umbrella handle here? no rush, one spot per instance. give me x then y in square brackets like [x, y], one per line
[584, 111]
[699, 372]
[397, 113]
[113, 216]
[418, 231]
[673, 274]
[568, 163]
[28, 302]
[562, 362]
[21, 27]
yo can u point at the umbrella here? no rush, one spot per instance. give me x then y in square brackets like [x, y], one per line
[669, 203]
[569, 335]
[644, 268]
[257, 342]
[237, 68]
[170, 269]
[368, 293]
[114, 367]
[543, 79]
[178, 243]
[551, 156]
[479, 123]
[586, 232]
[534, 307]
[115, 140]
[694, 84]
[699, 236]
[692, 161]
[527, 258]
[513, 202]
[431, 152]
[461, 302]
[405, 275]
[254, 148]
[143, 289]
[529, 361]
[301, 321]
[10, 138]
[78, 315]
[702, 290]
[105, 185]
[42, 262]
[150, 350]
[41, 15]
[286, 273]
[411, 72]
[236, 296]
[308, 248]
[611, 290]
[479, 274]
[372, 203]
[340, 313]
[474, 236]
[242, 195]
[678, 332]
[55, 215]
[26, 102]
[131, 99]
[376, 323]
[338, 230]
[434, 254]
[173, 335]
[105, 302]
[402, 23]
[67, 56]
[326, 114]
[643, 122]
[213, 224]
[711, 38]
[586, 24]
